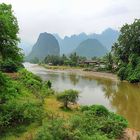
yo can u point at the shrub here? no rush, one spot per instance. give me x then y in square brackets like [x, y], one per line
[10, 66]
[135, 76]
[68, 96]
[48, 84]
[17, 104]
[104, 121]
[98, 110]
[93, 122]
[130, 73]
[56, 129]
[31, 81]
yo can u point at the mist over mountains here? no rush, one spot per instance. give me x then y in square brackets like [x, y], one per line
[85, 45]
[26, 47]
[68, 44]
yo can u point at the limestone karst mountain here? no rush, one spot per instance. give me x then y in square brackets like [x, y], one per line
[45, 45]
[68, 44]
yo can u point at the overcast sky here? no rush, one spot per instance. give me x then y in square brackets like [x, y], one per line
[67, 17]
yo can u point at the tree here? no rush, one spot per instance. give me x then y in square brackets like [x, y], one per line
[8, 35]
[109, 61]
[65, 59]
[127, 52]
[68, 96]
[49, 84]
[54, 60]
[94, 58]
[82, 59]
[74, 59]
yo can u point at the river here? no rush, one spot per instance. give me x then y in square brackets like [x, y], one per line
[120, 97]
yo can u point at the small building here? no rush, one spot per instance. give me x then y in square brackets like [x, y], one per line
[93, 62]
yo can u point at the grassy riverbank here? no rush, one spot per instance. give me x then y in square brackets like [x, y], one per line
[36, 90]
[53, 107]
[21, 100]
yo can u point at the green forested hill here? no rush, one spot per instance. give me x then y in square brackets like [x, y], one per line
[90, 48]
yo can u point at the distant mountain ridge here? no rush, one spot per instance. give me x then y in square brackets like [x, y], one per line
[46, 44]
[68, 44]
[53, 44]
[91, 48]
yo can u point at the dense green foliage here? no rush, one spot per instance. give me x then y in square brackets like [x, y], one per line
[21, 93]
[31, 81]
[35, 84]
[72, 60]
[93, 123]
[54, 60]
[9, 52]
[127, 52]
[105, 63]
[21, 99]
[68, 96]
[17, 104]
[109, 61]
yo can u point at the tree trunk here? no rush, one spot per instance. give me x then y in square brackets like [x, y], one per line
[66, 104]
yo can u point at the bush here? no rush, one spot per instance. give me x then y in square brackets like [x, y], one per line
[17, 104]
[105, 122]
[10, 66]
[135, 76]
[93, 122]
[62, 130]
[68, 96]
[35, 84]
[31, 81]
[54, 129]
[48, 84]
[97, 110]
[130, 73]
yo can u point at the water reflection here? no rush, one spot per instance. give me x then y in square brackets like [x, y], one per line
[126, 101]
[74, 79]
[121, 97]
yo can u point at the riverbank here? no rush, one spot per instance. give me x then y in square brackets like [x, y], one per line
[80, 71]
[52, 106]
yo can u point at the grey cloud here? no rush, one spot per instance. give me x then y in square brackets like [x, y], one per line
[67, 17]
